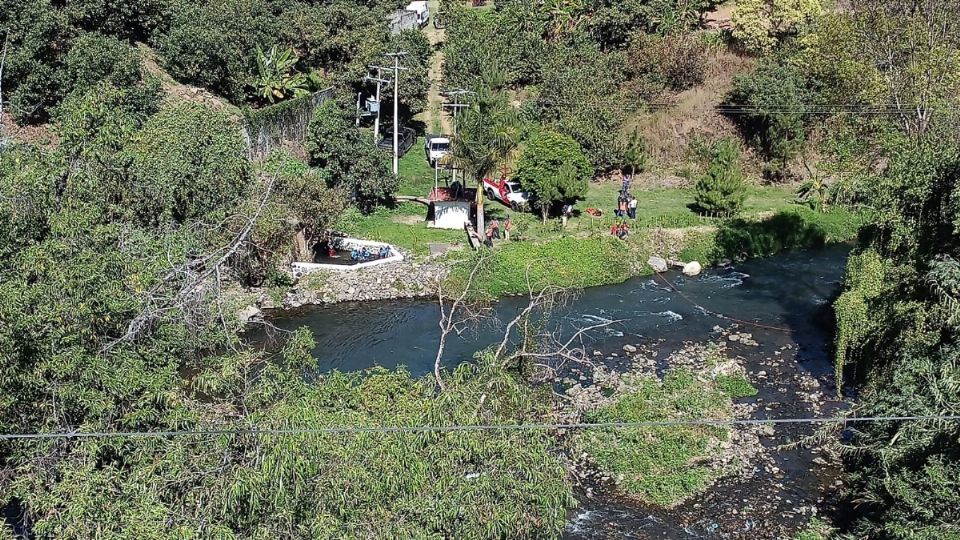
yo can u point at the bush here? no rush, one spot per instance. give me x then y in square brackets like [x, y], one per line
[95, 58]
[722, 190]
[554, 169]
[676, 61]
[775, 97]
[214, 44]
[348, 158]
[582, 96]
[39, 36]
[185, 163]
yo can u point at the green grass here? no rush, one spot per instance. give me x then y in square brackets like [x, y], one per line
[398, 227]
[736, 386]
[669, 207]
[416, 175]
[817, 529]
[565, 262]
[659, 465]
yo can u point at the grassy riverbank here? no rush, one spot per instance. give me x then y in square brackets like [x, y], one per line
[584, 254]
[587, 259]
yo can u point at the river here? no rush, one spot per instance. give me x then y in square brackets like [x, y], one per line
[789, 291]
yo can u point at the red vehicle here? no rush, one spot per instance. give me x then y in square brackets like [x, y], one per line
[506, 191]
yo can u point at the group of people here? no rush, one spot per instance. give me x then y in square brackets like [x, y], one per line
[494, 230]
[620, 229]
[363, 253]
[626, 202]
[626, 206]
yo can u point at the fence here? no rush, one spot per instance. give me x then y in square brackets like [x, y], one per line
[267, 128]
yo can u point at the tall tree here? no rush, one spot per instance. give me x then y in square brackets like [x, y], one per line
[488, 132]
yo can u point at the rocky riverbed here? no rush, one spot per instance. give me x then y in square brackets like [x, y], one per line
[771, 479]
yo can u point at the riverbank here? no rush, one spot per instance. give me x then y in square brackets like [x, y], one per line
[578, 259]
[751, 483]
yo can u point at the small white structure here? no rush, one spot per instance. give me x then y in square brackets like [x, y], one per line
[450, 214]
[347, 244]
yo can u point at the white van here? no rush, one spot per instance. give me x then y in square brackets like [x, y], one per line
[422, 11]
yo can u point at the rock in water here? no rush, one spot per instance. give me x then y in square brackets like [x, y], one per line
[659, 264]
[692, 268]
[249, 313]
[629, 349]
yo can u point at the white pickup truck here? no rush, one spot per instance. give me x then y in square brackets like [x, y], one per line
[436, 146]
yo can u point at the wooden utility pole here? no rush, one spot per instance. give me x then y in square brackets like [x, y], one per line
[396, 109]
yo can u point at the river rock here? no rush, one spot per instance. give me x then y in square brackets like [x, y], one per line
[629, 349]
[659, 264]
[692, 268]
[248, 314]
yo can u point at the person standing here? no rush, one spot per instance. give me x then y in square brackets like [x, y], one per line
[507, 225]
[495, 229]
[632, 207]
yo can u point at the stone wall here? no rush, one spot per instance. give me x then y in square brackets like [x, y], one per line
[407, 279]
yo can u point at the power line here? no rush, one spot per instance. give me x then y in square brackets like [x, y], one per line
[348, 430]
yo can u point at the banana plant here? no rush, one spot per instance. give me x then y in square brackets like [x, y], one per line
[817, 191]
[277, 77]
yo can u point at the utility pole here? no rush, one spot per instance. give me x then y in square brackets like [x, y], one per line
[380, 81]
[396, 109]
[456, 105]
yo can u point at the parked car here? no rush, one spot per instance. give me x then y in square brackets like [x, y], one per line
[508, 192]
[408, 136]
[422, 10]
[436, 146]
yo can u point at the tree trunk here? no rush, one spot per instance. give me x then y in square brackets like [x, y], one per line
[481, 229]
[543, 213]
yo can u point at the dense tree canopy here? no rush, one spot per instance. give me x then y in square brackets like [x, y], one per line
[553, 168]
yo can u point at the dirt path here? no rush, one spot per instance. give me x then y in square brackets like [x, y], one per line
[433, 118]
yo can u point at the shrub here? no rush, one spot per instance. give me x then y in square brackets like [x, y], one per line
[214, 44]
[348, 158]
[676, 61]
[186, 162]
[722, 190]
[554, 169]
[774, 97]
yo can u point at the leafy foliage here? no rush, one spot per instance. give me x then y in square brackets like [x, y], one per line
[582, 96]
[348, 159]
[675, 61]
[774, 99]
[186, 162]
[722, 190]
[896, 323]
[277, 77]
[761, 24]
[554, 169]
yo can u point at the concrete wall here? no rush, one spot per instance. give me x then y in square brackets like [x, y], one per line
[301, 268]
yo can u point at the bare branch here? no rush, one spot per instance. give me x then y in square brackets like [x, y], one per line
[459, 317]
[196, 273]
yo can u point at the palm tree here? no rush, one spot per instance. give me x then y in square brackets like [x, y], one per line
[488, 132]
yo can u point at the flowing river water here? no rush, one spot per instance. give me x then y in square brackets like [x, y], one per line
[790, 291]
